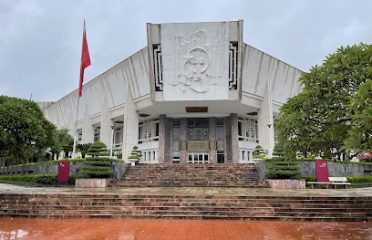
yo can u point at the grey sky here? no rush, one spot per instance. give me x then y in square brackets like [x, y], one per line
[40, 41]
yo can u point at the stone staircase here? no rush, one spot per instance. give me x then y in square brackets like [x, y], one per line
[191, 175]
[186, 207]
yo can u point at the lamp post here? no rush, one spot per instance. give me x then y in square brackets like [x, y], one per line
[112, 137]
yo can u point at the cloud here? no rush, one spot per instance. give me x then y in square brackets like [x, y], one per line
[40, 41]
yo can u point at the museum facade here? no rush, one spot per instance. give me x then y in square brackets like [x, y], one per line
[195, 94]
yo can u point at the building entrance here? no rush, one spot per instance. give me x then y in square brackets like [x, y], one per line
[198, 158]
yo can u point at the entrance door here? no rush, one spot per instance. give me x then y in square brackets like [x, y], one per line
[220, 157]
[198, 158]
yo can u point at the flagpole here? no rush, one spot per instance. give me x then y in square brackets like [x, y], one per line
[76, 125]
[83, 65]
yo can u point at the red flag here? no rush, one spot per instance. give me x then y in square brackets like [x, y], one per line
[85, 61]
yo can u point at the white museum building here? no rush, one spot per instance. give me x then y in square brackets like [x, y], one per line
[195, 94]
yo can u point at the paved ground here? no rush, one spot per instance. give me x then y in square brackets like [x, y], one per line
[13, 228]
[352, 192]
[83, 229]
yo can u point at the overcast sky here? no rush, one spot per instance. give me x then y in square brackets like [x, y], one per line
[40, 40]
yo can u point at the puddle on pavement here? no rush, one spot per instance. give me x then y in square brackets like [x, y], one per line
[77, 229]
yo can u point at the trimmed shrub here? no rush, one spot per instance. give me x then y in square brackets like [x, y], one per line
[97, 168]
[283, 169]
[258, 152]
[97, 149]
[135, 155]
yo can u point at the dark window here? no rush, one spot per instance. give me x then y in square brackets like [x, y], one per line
[220, 157]
[157, 129]
[198, 129]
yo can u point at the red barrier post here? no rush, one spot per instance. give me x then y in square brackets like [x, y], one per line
[321, 169]
[63, 171]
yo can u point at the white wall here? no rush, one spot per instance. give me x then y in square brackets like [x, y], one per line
[259, 67]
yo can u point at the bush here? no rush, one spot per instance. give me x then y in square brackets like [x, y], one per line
[135, 155]
[97, 168]
[47, 179]
[258, 152]
[309, 178]
[283, 169]
[360, 179]
[97, 149]
[72, 179]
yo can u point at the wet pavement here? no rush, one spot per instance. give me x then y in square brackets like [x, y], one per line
[106, 229]
[196, 191]
[178, 229]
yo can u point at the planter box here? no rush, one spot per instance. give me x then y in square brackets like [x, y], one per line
[92, 182]
[287, 183]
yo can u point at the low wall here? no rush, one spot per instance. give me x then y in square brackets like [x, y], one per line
[92, 183]
[52, 168]
[334, 169]
[287, 183]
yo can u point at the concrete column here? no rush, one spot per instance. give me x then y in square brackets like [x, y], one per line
[212, 141]
[232, 141]
[105, 124]
[130, 128]
[168, 153]
[266, 123]
[88, 134]
[183, 141]
[227, 140]
[234, 138]
[162, 138]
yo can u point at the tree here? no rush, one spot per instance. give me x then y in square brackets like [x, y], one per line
[24, 132]
[360, 133]
[61, 140]
[318, 119]
[83, 148]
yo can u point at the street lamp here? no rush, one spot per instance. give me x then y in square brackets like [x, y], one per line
[112, 137]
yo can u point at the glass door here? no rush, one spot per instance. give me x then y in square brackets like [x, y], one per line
[198, 158]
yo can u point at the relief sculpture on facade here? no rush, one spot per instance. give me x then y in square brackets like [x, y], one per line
[193, 74]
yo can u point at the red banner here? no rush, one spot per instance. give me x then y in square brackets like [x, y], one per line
[63, 171]
[321, 169]
[85, 60]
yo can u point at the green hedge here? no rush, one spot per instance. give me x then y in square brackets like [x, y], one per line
[48, 179]
[353, 180]
[309, 178]
[72, 178]
[71, 160]
[283, 169]
[97, 167]
[360, 179]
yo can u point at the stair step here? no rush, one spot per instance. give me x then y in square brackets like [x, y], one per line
[187, 207]
[189, 175]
